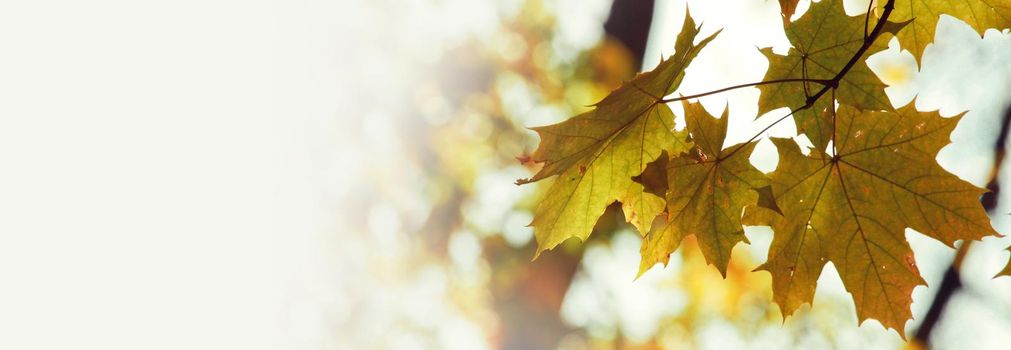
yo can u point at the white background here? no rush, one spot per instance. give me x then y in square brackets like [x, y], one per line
[137, 152]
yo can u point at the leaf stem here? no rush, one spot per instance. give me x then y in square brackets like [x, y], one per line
[767, 82]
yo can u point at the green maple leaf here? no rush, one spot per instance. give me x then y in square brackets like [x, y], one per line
[596, 154]
[824, 41]
[924, 14]
[852, 209]
[707, 190]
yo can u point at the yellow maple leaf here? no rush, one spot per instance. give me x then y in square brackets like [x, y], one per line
[707, 190]
[851, 206]
[596, 154]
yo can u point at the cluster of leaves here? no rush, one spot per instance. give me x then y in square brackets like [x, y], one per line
[871, 174]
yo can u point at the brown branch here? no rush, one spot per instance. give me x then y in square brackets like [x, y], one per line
[767, 82]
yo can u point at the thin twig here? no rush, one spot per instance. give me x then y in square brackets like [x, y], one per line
[767, 82]
[867, 16]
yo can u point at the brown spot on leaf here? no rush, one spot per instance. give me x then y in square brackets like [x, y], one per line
[524, 159]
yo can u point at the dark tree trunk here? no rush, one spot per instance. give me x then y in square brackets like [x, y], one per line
[629, 23]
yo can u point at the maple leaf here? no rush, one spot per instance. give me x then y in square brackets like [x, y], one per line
[852, 208]
[924, 14]
[824, 41]
[707, 190]
[596, 154]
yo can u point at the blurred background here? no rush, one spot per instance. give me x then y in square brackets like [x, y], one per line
[317, 174]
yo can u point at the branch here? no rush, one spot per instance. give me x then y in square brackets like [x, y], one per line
[767, 82]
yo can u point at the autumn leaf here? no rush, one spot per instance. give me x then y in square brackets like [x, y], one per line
[596, 154]
[824, 41]
[852, 208]
[707, 190]
[924, 14]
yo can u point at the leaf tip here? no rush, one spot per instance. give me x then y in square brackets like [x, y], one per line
[537, 253]
[767, 200]
[723, 270]
[902, 332]
[895, 27]
[1007, 269]
[643, 267]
